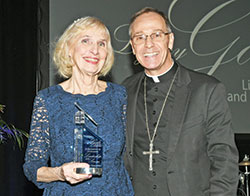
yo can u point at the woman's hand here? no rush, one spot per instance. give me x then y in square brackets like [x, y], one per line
[68, 172]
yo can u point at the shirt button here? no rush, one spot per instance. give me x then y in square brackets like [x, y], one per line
[154, 112]
[155, 186]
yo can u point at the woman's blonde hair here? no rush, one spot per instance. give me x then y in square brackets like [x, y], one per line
[61, 55]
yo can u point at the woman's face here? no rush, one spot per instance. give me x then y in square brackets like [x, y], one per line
[89, 51]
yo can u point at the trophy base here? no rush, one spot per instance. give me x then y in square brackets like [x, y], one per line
[93, 171]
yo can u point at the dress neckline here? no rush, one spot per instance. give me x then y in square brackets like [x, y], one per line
[107, 89]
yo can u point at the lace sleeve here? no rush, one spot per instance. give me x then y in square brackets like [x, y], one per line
[124, 113]
[37, 152]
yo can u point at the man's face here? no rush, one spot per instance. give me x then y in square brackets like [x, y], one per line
[153, 55]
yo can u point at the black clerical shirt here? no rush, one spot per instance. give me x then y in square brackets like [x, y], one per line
[145, 182]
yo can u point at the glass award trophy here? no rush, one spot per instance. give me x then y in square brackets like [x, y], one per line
[88, 146]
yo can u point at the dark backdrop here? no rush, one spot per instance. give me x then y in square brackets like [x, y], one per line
[20, 77]
[18, 61]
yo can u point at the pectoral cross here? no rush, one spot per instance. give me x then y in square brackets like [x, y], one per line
[150, 153]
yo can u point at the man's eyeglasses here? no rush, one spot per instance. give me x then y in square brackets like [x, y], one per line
[155, 37]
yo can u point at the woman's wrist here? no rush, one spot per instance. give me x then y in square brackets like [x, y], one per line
[58, 172]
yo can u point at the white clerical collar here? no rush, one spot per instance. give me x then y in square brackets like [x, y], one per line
[156, 78]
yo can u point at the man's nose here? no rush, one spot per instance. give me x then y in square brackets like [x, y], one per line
[149, 42]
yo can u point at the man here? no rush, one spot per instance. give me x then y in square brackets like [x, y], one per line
[179, 136]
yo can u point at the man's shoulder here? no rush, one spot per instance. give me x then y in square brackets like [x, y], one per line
[199, 77]
[117, 89]
[115, 86]
[132, 80]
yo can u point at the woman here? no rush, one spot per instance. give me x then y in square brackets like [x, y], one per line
[82, 54]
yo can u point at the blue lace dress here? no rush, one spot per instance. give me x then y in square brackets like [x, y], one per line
[51, 139]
